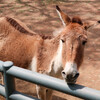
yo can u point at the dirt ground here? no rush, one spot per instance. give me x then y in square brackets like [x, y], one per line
[41, 17]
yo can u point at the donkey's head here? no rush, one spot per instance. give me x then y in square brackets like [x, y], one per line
[73, 39]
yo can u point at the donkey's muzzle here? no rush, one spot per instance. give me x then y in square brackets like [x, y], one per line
[70, 78]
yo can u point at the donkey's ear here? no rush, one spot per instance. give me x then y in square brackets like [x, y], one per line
[64, 18]
[88, 25]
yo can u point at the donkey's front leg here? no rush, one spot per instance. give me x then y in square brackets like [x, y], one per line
[41, 92]
[49, 94]
[1, 79]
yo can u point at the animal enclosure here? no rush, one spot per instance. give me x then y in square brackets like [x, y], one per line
[9, 92]
[35, 13]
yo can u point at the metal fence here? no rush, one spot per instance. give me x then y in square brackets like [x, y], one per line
[8, 89]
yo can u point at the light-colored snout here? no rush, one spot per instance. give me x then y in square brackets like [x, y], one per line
[70, 72]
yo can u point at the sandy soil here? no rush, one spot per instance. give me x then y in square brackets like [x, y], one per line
[41, 17]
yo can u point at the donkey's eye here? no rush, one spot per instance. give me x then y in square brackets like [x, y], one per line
[84, 42]
[62, 40]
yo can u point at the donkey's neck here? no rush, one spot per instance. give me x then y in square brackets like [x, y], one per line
[56, 63]
[58, 58]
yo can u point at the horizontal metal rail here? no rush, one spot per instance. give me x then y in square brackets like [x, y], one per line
[20, 96]
[16, 95]
[54, 83]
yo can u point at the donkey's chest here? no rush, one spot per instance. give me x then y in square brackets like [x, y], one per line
[56, 67]
[50, 64]
[53, 68]
[56, 71]
[56, 63]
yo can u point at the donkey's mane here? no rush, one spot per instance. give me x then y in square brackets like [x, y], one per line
[17, 26]
[21, 29]
[48, 36]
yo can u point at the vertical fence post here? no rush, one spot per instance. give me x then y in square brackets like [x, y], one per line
[1, 70]
[8, 80]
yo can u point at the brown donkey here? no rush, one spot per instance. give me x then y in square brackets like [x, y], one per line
[62, 54]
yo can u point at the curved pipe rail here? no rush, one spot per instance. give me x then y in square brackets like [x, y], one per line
[54, 83]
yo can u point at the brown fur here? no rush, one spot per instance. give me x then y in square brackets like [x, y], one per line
[14, 44]
[73, 50]
[20, 48]
[17, 42]
[77, 20]
[65, 18]
[17, 25]
[20, 45]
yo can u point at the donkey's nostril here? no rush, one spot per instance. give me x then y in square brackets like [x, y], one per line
[63, 73]
[76, 76]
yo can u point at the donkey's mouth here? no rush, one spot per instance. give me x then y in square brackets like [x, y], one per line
[70, 81]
